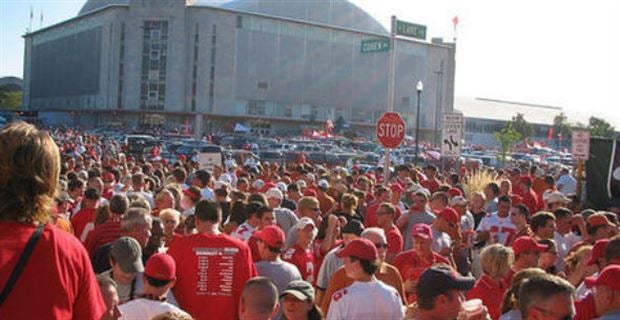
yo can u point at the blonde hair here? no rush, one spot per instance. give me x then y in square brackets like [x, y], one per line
[496, 260]
[29, 173]
[349, 201]
[171, 213]
[511, 297]
[574, 257]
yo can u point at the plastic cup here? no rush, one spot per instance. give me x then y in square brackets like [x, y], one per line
[473, 307]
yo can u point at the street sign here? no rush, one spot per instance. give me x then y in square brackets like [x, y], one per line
[375, 45]
[452, 135]
[408, 29]
[581, 144]
[390, 130]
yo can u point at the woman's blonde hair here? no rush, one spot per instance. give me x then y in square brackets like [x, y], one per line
[29, 173]
[496, 260]
[349, 201]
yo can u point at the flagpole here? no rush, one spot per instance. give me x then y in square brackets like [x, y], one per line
[31, 17]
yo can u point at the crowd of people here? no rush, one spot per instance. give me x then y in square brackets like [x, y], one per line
[88, 232]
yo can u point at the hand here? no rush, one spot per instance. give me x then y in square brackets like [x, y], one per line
[410, 285]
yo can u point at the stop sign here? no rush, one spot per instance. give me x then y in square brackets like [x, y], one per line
[390, 130]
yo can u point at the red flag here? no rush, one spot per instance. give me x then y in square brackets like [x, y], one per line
[455, 21]
[550, 134]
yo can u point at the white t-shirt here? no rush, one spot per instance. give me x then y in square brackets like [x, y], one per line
[244, 232]
[140, 309]
[564, 243]
[502, 230]
[352, 302]
[441, 240]
[566, 184]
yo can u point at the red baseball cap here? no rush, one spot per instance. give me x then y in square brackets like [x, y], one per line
[268, 186]
[526, 180]
[422, 230]
[397, 187]
[449, 214]
[608, 277]
[161, 266]
[272, 235]
[310, 193]
[599, 219]
[454, 192]
[359, 248]
[108, 176]
[598, 251]
[527, 243]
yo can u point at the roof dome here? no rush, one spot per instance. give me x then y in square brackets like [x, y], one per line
[340, 13]
[92, 5]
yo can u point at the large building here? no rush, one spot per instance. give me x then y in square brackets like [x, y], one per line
[277, 66]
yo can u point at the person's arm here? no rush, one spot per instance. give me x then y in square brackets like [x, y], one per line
[402, 221]
[331, 233]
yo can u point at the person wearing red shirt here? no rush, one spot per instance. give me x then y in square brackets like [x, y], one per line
[490, 287]
[530, 198]
[57, 280]
[382, 195]
[413, 262]
[84, 221]
[385, 220]
[110, 230]
[527, 252]
[301, 254]
[212, 267]
[108, 185]
[267, 217]
[430, 183]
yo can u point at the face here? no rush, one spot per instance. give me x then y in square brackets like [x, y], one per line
[422, 246]
[156, 240]
[516, 217]
[313, 212]
[170, 223]
[294, 308]
[110, 297]
[306, 235]
[383, 217]
[503, 209]
[564, 224]
[419, 203]
[558, 307]
[269, 218]
[165, 202]
[351, 267]
[530, 258]
[505, 187]
[547, 258]
[120, 276]
[548, 230]
[384, 197]
[96, 184]
[142, 233]
[379, 243]
[449, 304]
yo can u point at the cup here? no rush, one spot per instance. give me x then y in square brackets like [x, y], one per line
[472, 308]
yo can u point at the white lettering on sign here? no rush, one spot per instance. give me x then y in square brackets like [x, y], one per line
[391, 130]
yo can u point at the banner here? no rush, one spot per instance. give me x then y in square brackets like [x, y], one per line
[603, 174]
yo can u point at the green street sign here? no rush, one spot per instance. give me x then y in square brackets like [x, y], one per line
[412, 30]
[375, 45]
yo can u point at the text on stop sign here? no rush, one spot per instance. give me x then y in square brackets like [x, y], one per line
[391, 130]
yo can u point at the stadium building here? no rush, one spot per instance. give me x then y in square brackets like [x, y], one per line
[276, 66]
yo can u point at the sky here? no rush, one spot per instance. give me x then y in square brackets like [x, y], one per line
[551, 52]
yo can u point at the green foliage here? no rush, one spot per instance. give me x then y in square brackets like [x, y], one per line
[600, 128]
[561, 125]
[10, 99]
[506, 138]
[521, 126]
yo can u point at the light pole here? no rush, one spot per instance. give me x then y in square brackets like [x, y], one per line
[418, 88]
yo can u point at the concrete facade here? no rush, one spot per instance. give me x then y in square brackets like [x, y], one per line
[244, 62]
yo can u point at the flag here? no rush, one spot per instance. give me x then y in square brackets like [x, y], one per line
[550, 134]
[603, 174]
[455, 21]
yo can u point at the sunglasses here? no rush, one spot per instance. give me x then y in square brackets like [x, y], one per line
[381, 245]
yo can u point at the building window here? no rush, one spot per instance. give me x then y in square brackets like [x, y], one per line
[263, 85]
[239, 22]
[256, 107]
[154, 54]
[153, 76]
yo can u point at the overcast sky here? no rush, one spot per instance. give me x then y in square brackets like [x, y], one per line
[561, 53]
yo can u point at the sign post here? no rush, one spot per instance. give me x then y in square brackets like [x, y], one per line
[452, 135]
[581, 152]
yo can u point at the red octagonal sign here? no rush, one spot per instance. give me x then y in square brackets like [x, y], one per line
[390, 130]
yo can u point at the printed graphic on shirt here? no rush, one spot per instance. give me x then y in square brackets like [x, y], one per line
[216, 267]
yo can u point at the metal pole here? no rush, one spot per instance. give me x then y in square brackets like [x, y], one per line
[390, 105]
[579, 180]
[417, 130]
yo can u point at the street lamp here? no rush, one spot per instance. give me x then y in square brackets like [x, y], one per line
[418, 88]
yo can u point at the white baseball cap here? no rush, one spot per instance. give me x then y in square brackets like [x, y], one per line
[258, 184]
[274, 193]
[323, 184]
[282, 186]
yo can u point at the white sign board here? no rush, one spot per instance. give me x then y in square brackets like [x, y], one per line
[581, 144]
[208, 160]
[452, 135]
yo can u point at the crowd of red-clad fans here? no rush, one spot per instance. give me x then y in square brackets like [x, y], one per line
[87, 232]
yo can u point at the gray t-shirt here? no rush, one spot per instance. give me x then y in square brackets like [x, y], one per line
[285, 218]
[415, 218]
[331, 263]
[281, 272]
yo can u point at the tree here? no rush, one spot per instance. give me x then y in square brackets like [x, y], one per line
[10, 99]
[561, 125]
[506, 138]
[601, 128]
[524, 128]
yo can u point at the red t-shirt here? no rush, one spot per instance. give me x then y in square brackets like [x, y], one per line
[304, 260]
[83, 222]
[585, 309]
[491, 294]
[411, 266]
[103, 234]
[431, 185]
[394, 240]
[370, 219]
[253, 244]
[211, 273]
[57, 282]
